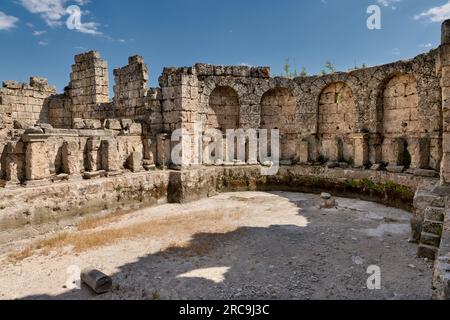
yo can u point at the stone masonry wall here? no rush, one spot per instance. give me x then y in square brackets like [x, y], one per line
[385, 116]
[89, 87]
[382, 130]
[131, 87]
[26, 104]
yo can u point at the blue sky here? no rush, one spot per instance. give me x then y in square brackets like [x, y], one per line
[35, 39]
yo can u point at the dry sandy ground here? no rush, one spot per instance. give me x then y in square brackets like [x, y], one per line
[249, 245]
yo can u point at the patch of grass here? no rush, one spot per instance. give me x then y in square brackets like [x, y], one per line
[95, 222]
[20, 255]
[88, 239]
[385, 188]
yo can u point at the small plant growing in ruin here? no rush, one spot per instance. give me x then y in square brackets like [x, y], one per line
[287, 70]
[330, 67]
[304, 73]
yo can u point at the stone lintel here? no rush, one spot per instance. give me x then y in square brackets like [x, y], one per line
[30, 138]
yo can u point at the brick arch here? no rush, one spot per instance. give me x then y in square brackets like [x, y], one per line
[278, 108]
[399, 123]
[223, 109]
[336, 122]
[336, 109]
[321, 83]
[398, 105]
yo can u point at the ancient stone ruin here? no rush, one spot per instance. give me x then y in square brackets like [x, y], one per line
[381, 132]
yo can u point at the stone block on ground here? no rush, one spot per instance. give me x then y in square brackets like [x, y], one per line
[328, 204]
[395, 169]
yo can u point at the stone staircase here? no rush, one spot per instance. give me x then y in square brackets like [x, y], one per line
[432, 227]
[428, 221]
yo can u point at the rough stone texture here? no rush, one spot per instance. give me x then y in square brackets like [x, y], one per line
[37, 205]
[131, 87]
[19, 208]
[135, 162]
[93, 161]
[89, 85]
[386, 114]
[71, 157]
[27, 103]
[395, 115]
[110, 155]
[37, 164]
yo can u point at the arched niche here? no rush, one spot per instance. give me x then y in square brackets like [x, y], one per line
[400, 124]
[223, 110]
[336, 122]
[278, 108]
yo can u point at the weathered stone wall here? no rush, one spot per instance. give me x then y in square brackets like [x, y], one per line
[392, 119]
[27, 211]
[396, 107]
[26, 104]
[60, 154]
[387, 115]
[277, 112]
[131, 87]
[329, 112]
[42, 204]
[21, 105]
[89, 87]
[60, 111]
[223, 111]
[336, 122]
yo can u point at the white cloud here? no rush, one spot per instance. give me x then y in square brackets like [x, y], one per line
[89, 28]
[38, 33]
[426, 45]
[54, 11]
[43, 43]
[435, 14]
[51, 11]
[82, 2]
[7, 22]
[389, 3]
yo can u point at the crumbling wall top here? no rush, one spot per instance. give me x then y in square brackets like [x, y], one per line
[83, 57]
[35, 83]
[203, 69]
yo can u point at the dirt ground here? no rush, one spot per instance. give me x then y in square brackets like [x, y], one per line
[249, 245]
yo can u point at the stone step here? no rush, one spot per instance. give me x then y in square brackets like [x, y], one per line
[433, 227]
[430, 239]
[424, 198]
[429, 252]
[434, 214]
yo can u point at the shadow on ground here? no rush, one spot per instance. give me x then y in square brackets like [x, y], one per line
[278, 262]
